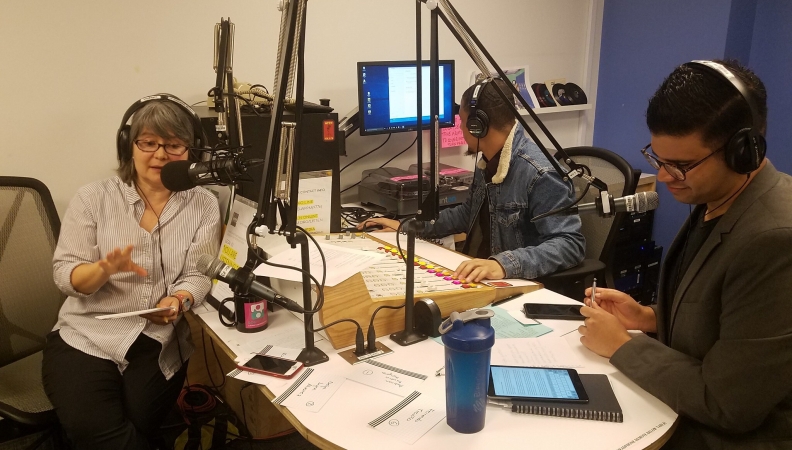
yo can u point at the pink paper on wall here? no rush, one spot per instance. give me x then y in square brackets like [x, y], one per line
[452, 136]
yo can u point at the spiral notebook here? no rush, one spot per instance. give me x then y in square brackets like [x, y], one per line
[602, 404]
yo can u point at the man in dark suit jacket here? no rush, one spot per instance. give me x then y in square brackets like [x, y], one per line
[722, 358]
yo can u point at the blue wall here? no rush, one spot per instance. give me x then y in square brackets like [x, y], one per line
[771, 59]
[644, 40]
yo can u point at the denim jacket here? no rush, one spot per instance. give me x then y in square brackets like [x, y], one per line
[528, 187]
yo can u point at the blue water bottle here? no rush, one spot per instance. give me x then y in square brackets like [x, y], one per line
[468, 339]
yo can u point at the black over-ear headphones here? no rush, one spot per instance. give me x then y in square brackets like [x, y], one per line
[124, 146]
[746, 149]
[478, 121]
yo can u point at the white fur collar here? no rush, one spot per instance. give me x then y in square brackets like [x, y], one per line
[505, 159]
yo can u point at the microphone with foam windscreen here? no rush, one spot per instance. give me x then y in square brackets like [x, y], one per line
[216, 269]
[183, 175]
[637, 203]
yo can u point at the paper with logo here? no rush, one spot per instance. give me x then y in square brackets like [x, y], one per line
[310, 391]
[387, 378]
[233, 248]
[411, 418]
[452, 136]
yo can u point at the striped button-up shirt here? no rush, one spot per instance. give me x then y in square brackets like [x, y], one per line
[106, 214]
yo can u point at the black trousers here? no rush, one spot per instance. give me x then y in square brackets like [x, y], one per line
[101, 408]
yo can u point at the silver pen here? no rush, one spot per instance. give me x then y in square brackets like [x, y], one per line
[593, 289]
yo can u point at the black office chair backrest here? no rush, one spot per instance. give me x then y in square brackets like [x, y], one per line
[621, 179]
[29, 299]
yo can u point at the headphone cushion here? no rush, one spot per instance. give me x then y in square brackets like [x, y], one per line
[478, 124]
[745, 151]
[123, 144]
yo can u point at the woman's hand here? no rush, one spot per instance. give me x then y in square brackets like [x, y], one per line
[629, 313]
[88, 278]
[165, 317]
[120, 261]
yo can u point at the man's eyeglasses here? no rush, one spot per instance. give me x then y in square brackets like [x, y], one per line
[151, 147]
[677, 172]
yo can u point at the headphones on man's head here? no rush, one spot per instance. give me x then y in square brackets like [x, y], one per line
[746, 149]
[478, 121]
[123, 144]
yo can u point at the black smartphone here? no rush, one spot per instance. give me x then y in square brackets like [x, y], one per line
[536, 383]
[547, 311]
[270, 365]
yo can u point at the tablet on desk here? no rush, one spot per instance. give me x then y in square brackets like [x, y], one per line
[133, 313]
[536, 383]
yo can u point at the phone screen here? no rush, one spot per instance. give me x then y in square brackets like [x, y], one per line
[270, 364]
[546, 311]
[536, 383]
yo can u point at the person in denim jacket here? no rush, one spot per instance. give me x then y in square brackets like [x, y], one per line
[513, 182]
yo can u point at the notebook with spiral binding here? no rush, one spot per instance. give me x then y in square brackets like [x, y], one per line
[602, 404]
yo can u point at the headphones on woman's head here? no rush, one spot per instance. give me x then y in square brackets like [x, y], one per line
[746, 149]
[478, 121]
[123, 144]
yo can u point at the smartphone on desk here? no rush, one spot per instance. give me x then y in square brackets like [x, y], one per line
[536, 383]
[272, 366]
[547, 311]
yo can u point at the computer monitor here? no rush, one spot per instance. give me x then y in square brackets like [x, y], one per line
[386, 96]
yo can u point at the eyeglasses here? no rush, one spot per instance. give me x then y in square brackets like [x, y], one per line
[151, 147]
[677, 172]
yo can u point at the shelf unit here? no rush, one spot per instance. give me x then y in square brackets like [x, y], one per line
[558, 109]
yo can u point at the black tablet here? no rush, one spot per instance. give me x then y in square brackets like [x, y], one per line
[536, 383]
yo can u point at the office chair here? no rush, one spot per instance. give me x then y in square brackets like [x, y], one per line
[29, 300]
[599, 232]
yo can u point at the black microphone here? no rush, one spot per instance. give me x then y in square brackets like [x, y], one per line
[183, 175]
[638, 203]
[216, 269]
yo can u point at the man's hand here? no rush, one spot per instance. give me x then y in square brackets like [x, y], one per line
[625, 309]
[120, 261]
[601, 331]
[380, 222]
[476, 270]
[164, 317]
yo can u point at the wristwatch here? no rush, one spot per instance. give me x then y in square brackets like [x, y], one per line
[186, 303]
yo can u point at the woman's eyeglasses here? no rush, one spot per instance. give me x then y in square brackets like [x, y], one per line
[151, 147]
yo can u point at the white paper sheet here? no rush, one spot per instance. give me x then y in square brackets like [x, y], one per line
[385, 377]
[342, 263]
[310, 391]
[547, 352]
[411, 418]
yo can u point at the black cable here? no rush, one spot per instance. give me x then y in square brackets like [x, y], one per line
[367, 153]
[206, 363]
[164, 283]
[372, 337]
[383, 165]
[261, 86]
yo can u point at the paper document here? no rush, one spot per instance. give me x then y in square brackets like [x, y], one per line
[387, 378]
[311, 391]
[546, 352]
[342, 263]
[133, 313]
[411, 418]
[233, 248]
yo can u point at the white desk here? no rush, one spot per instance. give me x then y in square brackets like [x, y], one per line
[343, 421]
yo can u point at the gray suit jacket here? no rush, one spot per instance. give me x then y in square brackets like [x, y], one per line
[723, 359]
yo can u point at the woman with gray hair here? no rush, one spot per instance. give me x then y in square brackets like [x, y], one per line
[128, 244]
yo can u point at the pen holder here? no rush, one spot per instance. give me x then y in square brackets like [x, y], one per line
[468, 345]
[250, 313]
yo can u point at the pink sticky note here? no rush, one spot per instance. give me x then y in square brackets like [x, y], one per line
[452, 136]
